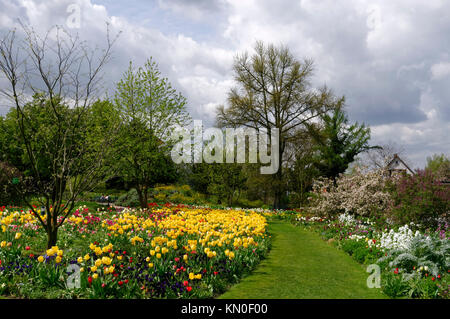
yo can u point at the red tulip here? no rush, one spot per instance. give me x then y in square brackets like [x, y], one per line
[90, 280]
[27, 248]
[185, 283]
[126, 281]
[189, 288]
[120, 283]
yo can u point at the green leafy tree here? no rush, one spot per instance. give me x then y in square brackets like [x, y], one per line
[149, 107]
[200, 177]
[337, 142]
[439, 164]
[227, 182]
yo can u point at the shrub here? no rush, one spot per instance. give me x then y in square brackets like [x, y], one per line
[8, 193]
[393, 285]
[129, 199]
[419, 198]
[359, 194]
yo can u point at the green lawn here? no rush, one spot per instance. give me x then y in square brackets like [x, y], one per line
[302, 265]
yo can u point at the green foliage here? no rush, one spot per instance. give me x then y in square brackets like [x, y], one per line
[129, 199]
[393, 285]
[200, 177]
[228, 180]
[149, 107]
[338, 143]
[439, 164]
[58, 151]
[9, 195]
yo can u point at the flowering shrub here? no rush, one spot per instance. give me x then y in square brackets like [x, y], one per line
[420, 198]
[172, 251]
[359, 194]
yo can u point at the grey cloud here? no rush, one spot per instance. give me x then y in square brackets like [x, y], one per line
[379, 54]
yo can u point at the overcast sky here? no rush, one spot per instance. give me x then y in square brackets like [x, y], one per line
[391, 59]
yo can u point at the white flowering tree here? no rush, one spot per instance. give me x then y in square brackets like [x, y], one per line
[361, 194]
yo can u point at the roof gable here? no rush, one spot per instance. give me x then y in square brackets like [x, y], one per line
[397, 164]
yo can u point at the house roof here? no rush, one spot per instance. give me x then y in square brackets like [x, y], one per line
[396, 157]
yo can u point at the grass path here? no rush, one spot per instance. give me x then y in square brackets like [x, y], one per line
[302, 265]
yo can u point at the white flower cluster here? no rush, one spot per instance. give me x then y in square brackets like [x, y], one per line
[400, 239]
[347, 219]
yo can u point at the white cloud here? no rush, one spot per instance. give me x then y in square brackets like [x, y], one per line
[440, 70]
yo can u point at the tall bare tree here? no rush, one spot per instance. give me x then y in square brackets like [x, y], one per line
[273, 91]
[53, 80]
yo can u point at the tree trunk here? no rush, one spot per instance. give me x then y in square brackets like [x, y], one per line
[142, 194]
[279, 187]
[52, 237]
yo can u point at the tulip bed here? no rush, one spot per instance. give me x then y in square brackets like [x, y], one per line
[165, 252]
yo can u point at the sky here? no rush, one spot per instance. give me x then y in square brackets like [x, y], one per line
[390, 59]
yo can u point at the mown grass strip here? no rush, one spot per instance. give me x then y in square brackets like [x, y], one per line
[302, 265]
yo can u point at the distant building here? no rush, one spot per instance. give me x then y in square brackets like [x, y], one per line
[397, 165]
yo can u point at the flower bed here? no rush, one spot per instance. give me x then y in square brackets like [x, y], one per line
[166, 252]
[413, 264]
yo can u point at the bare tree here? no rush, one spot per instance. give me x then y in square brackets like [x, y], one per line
[378, 158]
[58, 75]
[274, 92]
